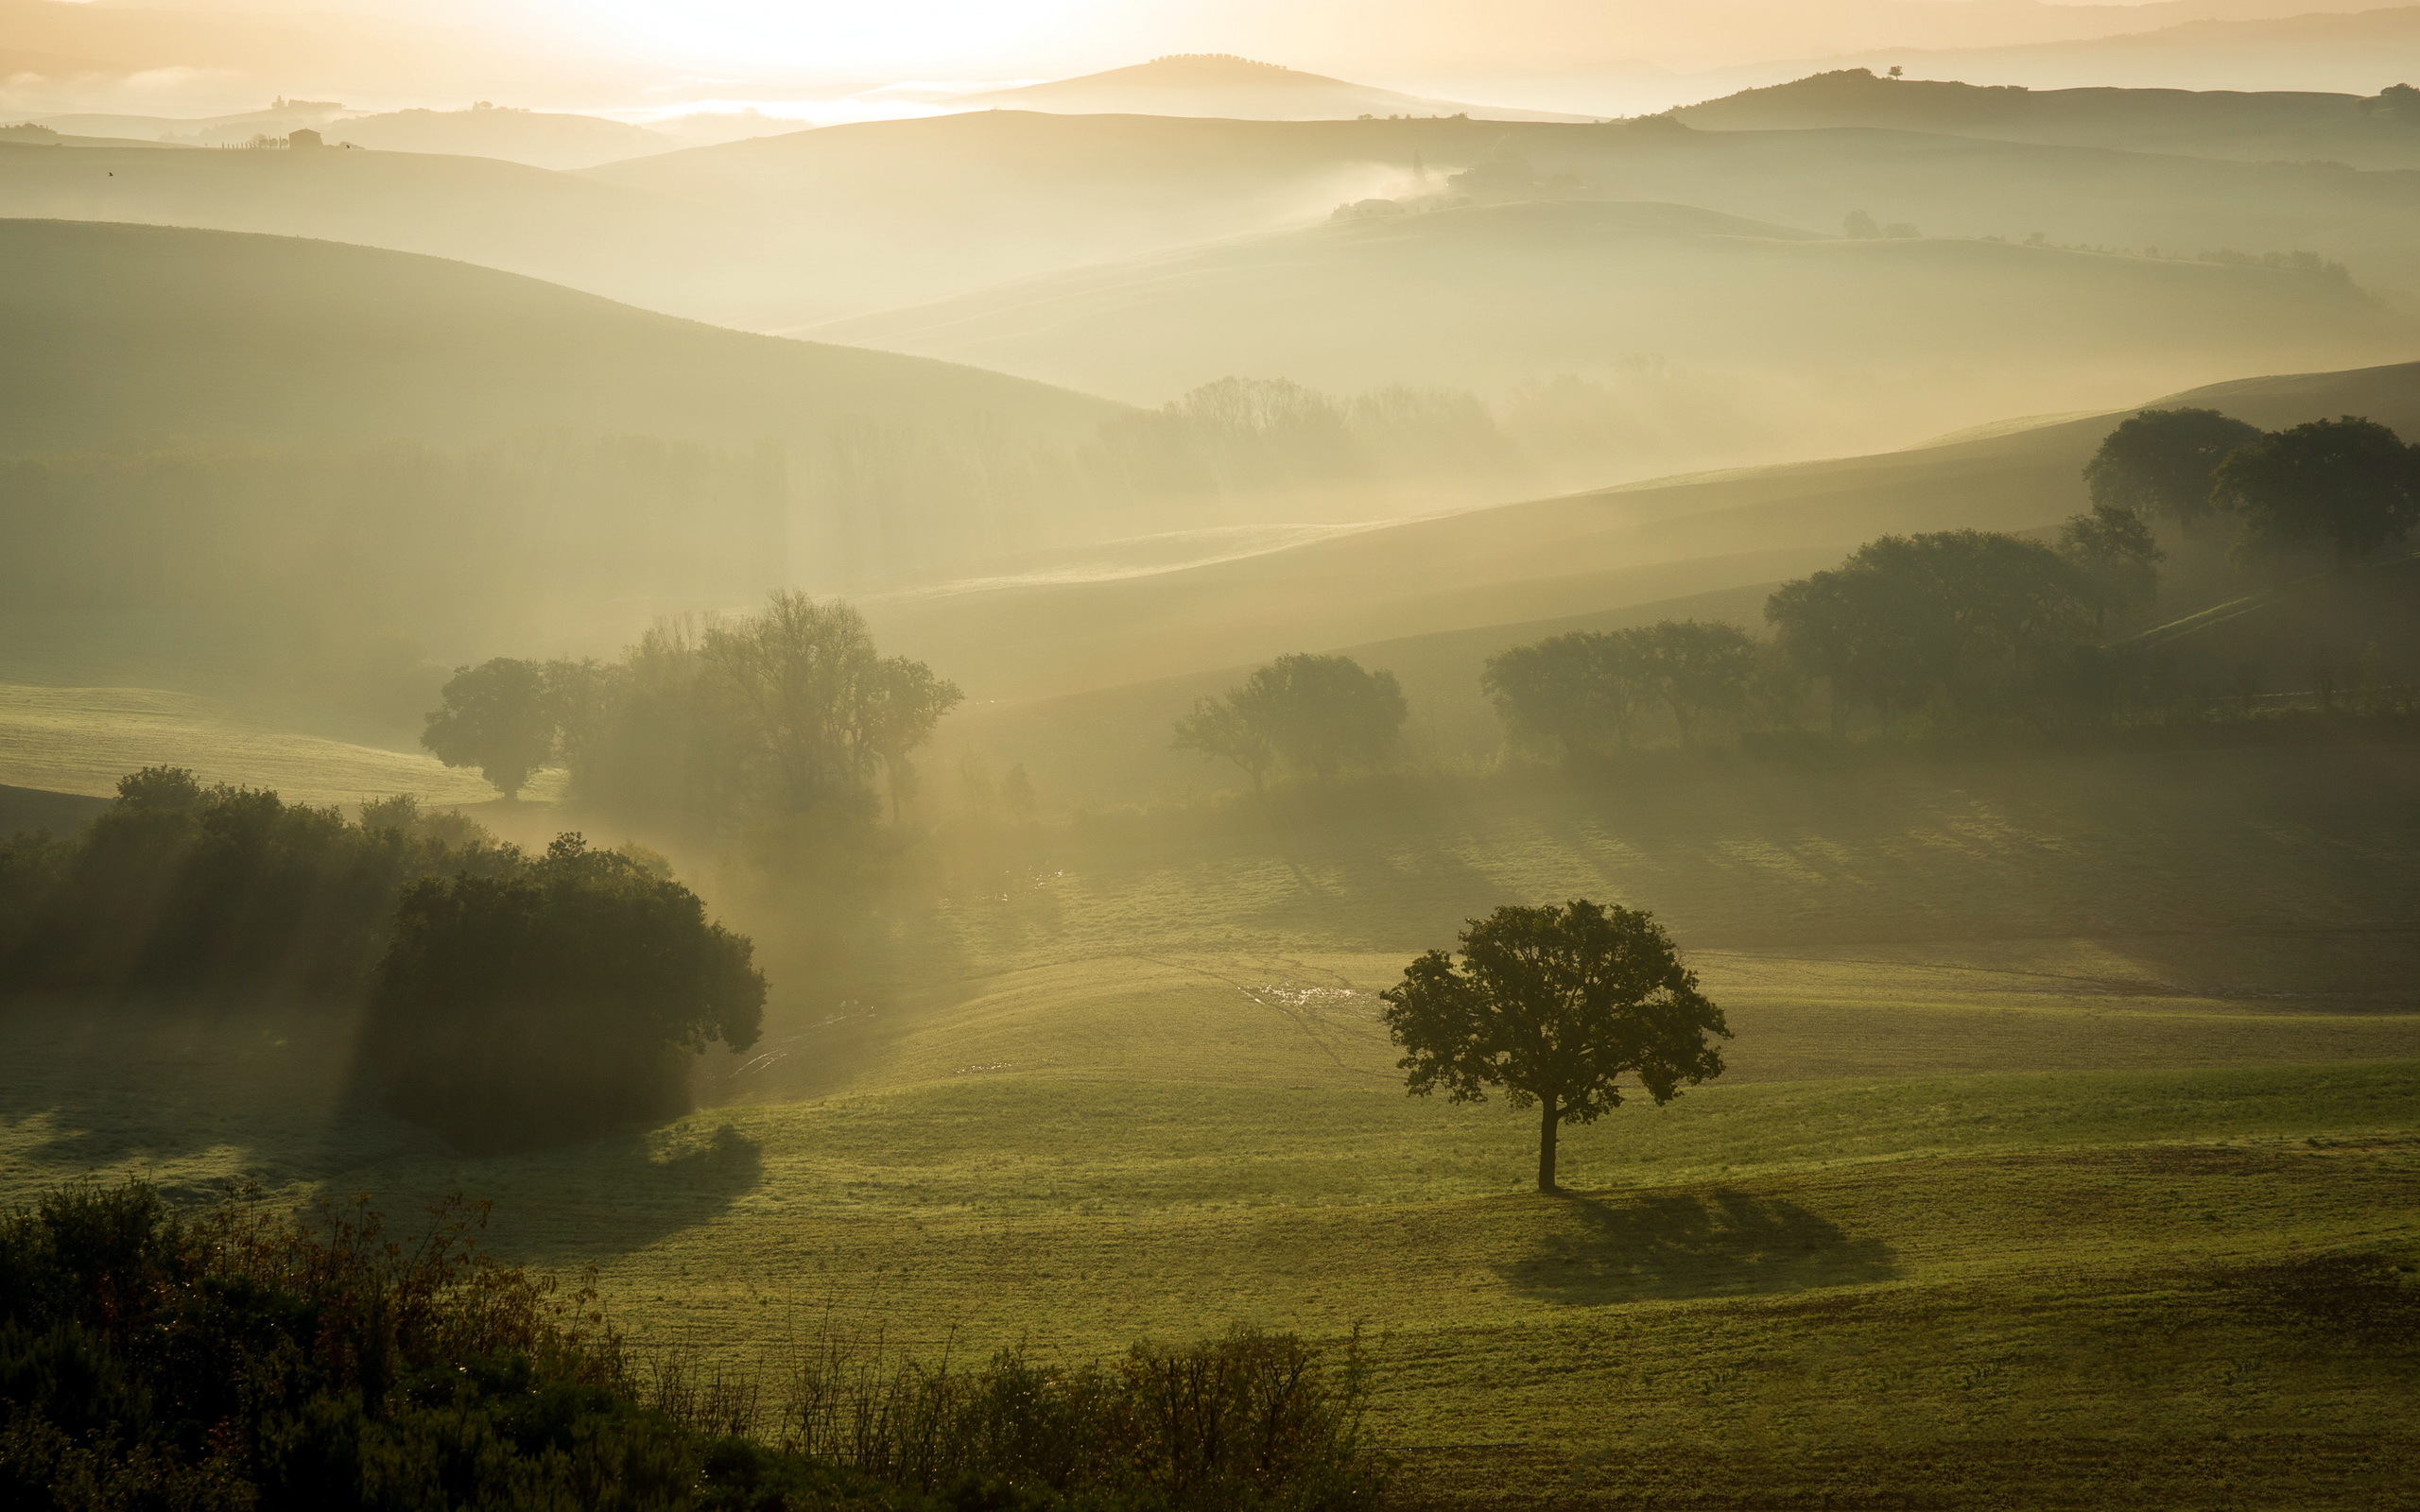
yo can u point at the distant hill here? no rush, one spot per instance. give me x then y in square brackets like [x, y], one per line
[1586, 553]
[958, 203]
[534, 137]
[2358, 51]
[1219, 84]
[1868, 342]
[2368, 131]
[113, 332]
[624, 242]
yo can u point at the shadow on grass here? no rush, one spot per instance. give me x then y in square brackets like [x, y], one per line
[1677, 1245]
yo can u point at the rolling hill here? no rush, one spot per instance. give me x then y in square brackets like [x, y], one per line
[622, 243]
[1520, 565]
[126, 333]
[2358, 52]
[1873, 342]
[1231, 87]
[961, 202]
[2366, 131]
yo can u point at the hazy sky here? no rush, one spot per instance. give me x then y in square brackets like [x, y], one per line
[990, 39]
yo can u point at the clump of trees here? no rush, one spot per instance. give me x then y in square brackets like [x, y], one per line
[2339, 490]
[257, 1358]
[1971, 623]
[548, 1000]
[1311, 713]
[1554, 1007]
[785, 711]
[1585, 693]
[186, 887]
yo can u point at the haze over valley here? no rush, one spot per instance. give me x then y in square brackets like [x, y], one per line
[1311, 758]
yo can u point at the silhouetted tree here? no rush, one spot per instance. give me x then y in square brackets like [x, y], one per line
[2113, 549]
[1220, 731]
[498, 716]
[2160, 463]
[2347, 486]
[1973, 619]
[1555, 1006]
[554, 1001]
[1694, 667]
[1314, 713]
[1566, 693]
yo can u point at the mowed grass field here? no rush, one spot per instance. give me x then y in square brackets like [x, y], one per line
[2070, 1156]
[82, 739]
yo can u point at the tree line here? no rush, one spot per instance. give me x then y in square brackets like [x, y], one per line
[512, 1000]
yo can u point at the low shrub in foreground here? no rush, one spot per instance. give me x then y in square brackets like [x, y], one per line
[252, 1360]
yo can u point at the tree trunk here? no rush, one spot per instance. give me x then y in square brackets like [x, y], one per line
[1548, 1116]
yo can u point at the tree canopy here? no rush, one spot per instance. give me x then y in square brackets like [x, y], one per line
[2160, 463]
[1582, 693]
[1317, 714]
[553, 1001]
[2348, 487]
[1555, 1006]
[1977, 622]
[499, 717]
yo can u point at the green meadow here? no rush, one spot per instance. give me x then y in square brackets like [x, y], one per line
[2069, 1150]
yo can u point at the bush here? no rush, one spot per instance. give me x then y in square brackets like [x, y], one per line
[254, 1360]
[552, 1001]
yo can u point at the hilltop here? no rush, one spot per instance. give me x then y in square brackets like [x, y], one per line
[537, 138]
[2367, 131]
[1219, 84]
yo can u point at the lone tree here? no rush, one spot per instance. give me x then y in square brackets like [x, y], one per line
[498, 716]
[2160, 463]
[1555, 1006]
[2348, 486]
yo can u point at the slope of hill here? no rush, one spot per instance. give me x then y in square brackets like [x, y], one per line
[1876, 342]
[2367, 131]
[960, 202]
[1587, 554]
[626, 244]
[534, 137]
[1219, 84]
[2356, 52]
[130, 332]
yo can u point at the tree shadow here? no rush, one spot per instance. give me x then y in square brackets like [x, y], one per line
[1680, 1244]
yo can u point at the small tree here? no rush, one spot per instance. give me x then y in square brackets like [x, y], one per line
[2349, 486]
[498, 716]
[1555, 1006]
[1222, 732]
[1694, 667]
[1564, 694]
[2160, 463]
[1315, 712]
[2113, 549]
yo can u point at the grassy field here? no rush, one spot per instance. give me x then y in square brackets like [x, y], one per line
[2071, 1152]
[82, 739]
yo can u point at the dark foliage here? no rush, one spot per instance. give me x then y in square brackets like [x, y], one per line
[180, 887]
[1316, 714]
[257, 1362]
[2159, 463]
[2347, 488]
[1972, 624]
[552, 999]
[1555, 1006]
